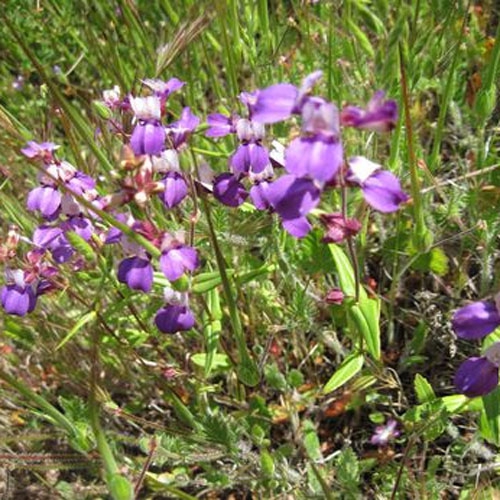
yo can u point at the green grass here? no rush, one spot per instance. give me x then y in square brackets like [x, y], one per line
[237, 405]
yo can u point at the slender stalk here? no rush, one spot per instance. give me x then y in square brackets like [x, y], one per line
[40, 402]
[110, 465]
[422, 235]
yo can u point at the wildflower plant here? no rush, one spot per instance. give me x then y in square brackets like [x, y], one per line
[219, 249]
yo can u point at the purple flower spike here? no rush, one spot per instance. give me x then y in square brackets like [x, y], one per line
[476, 377]
[317, 159]
[219, 125]
[46, 199]
[176, 189]
[385, 433]
[174, 318]
[137, 273]
[275, 103]
[229, 191]
[176, 261]
[476, 320]
[18, 300]
[380, 115]
[148, 138]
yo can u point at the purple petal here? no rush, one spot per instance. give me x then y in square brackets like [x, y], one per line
[172, 319]
[275, 103]
[176, 261]
[219, 125]
[229, 191]
[137, 273]
[476, 377]
[293, 197]
[476, 320]
[299, 227]
[81, 226]
[46, 199]
[380, 115]
[383, 192]
[148, 138]
[176, 189]
[259, 196]
[154, 138]
[80, 183]
[46, 236]
[315, 158]
[18, 300]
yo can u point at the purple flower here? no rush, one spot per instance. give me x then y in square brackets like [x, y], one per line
[179, 131]
[385, 433]
[148, 138]
[314, 158]
[380, 115]
[136, 273]
[174, 318]
[18, 300]
[175, 261]
[176, 189]
[163, 89]
[258, 195]
[219, 125]
[381, 189]
[476, 377]
[248, 157]
[479, 375]
[293, 198]
[229, 191]
[476, 320]
[278, 102]
[149, 134]
[45, 199]
[275, 103]
[43, 151]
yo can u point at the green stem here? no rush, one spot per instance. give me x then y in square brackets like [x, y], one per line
[40, 402]
[247, 370]
[421, 235]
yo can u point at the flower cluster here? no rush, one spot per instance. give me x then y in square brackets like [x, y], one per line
[69, 204]
[152, 168]
[478, 375]
[313, 161]
[56, 197]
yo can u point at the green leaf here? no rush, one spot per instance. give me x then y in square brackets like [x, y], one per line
[345, 273]
[311, 440]
[81, 246]
[365, 314]
[219, 361]
[346, 371]
[424, 390]
[366, 317]
[120, 487]
[86, 318]
[205, 282]
[435, 261]
[490, 417]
